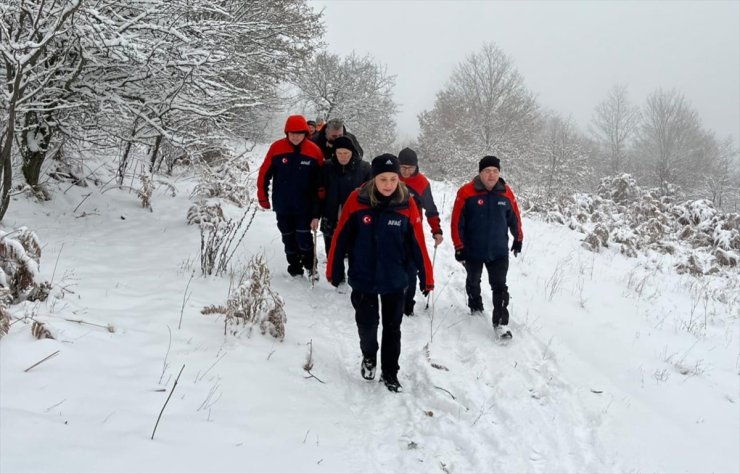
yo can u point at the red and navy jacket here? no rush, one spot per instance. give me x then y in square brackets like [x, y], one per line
[481, 218]
[418, 185]
[381, 242]
[294, 171]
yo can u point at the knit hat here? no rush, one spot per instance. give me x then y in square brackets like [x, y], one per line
[489, 161]
[296, 124]
[385, 163]
[344, 142]
[311, 122]
[407, 157]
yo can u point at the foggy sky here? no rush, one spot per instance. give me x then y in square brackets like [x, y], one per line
[569, 53]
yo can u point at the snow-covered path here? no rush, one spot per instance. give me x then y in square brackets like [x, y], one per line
[601, 375]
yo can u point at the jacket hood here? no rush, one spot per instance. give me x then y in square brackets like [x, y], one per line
[296, 124]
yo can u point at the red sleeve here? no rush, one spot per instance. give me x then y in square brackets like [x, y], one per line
[426, 267]
[455, 220]
[335, 259]
[510, 196]
[264, 176]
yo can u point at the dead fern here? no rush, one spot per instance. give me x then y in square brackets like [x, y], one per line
[4, 321]
[254, 303]
[40, 331]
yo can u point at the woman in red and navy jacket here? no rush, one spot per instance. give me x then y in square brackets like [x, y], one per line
[380, 229]
[420, 190]
[485, 209]
[292, 164]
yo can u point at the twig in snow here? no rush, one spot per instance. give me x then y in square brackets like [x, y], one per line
[166, 401]
[447, 391]
[185, 298]
[42, 361]
[55, 264]
[108, 327]
[310, 375]
[165, 364]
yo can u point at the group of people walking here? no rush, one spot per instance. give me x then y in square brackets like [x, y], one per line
[371, 216]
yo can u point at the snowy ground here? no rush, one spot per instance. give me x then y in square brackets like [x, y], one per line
[617, 364]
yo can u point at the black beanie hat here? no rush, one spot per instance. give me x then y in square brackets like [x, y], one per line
[489, 161]
[311, 122]
[385, 163]
[407, 157]
[344, 142]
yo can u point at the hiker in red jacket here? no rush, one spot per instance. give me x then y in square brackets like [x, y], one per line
[420, 190]
[380, 229]
[485, 209]
[292, 165]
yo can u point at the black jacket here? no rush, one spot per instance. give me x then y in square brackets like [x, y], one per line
[339, 181]
[320, 140]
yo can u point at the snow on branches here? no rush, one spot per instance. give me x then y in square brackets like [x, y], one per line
[20, 255]
[636, 220]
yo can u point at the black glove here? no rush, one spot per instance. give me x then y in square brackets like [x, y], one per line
[516, 247]
[460, 255]
[425, 291]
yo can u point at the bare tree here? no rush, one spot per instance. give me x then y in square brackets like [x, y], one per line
[485, 108]
[355, 89]
[670, 137]
[562, 160]
[614, 124]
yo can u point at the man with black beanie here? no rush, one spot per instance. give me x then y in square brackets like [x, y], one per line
[420, 190]
[485, 208]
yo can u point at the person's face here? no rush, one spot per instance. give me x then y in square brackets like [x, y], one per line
[489, 177]
[311, 129]
[296, 137]
[332, 135]
[386, 183]
[343, 155]
[407, 170]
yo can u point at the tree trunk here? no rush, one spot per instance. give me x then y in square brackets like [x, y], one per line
[127, 149]
[33, 151]
[154, 152]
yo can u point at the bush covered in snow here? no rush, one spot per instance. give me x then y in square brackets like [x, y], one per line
[20, 255]
[254, 303]
[635, 220]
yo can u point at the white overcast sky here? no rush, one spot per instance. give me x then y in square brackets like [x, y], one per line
[569, 52]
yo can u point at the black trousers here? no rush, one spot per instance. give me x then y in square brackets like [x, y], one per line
[367, 316]
[497, 270]
[297, 239]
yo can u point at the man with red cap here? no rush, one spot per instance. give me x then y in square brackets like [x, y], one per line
[293, 164]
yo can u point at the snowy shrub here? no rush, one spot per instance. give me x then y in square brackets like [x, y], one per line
[254, 303]
[226, 181]
[640, 219]
[217, 241]
[205, 212]
[20, 254]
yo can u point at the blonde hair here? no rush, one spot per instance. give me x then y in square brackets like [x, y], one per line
[398, 196]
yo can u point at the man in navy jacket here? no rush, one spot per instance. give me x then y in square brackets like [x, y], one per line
[292, 164]
[485, 209]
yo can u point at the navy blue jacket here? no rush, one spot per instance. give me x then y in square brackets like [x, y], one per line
[481, 218]
[381, 242]
[338, 182]
[294, 171]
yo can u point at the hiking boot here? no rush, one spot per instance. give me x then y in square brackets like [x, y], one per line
[367, 369]
[294, 265]
[391, 382]
[502, 332]
[295, 270]
[476, 310]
